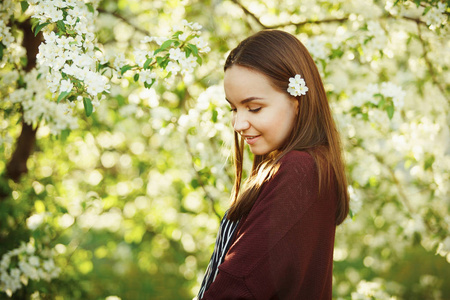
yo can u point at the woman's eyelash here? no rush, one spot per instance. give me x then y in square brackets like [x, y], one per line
[251, 110]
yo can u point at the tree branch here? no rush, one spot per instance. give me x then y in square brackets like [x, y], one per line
[402, 195]
[199, 178]
[120, 17]
[249, 13]
[298, 24]
[17, 166]
[428, 62]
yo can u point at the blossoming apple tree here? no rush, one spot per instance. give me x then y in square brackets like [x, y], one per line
[115, 141]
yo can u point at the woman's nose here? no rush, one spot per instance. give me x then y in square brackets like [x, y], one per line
[240, 123]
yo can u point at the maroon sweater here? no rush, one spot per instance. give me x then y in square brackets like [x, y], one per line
[283, 249]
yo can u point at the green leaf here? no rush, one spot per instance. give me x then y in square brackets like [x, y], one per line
[199, 60]
[21, 82]
[90, 7]
[147, 63]
[125, 68]
[188, 51]
[429, 162]
[136, 77]
[365, 116]
[215, 114]
[23, 61]
[355, 110]
[164, 46]
[88, 108]
[19, 121]
[149, 85]
[64, 134]
[24, 5]
[163, 61]
[426, 10]
[1, 50]
[39, 28]
[193, 48]
[61, 26]
[62, 96]
[176, 34]
[336, 53]
[382, 102]
[121, 99]
[390, 111]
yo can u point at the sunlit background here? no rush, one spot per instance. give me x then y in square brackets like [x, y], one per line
[127, 205]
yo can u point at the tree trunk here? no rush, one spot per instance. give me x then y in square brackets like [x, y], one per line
[17, 166]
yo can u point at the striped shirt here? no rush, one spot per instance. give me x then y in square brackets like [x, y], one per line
[223, 242]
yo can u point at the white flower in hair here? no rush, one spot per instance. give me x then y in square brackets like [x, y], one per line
[297, 86]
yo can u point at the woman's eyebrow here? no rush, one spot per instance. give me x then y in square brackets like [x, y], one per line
[246, 100]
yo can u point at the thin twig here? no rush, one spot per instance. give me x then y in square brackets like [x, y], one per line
[122, 18]
[416, 20]
[298, 24]
[249, 13]
[428, 62]
[402, 195]
[199, 177]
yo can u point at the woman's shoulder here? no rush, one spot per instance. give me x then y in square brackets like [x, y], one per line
[297, 155]
[297, 161]
[295, 170]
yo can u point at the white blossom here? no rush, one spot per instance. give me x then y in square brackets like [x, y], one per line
[66, 86]
[173, 67]
[147, 76]
[388, 89]
[436, 16]
[176, 54]
[201, 44]
[31, 266]
[297, 86]
[188, 64]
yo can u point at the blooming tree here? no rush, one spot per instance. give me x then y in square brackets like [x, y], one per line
[135, 192]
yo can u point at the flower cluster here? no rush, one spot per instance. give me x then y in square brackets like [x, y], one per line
[176, 54]
[74, 68]
[36, 106]
[25, 263]
[68, 58]
[370, 290]
[436, 16]
[386, 96]
[5, 34]
[297, 86]
[10, 49]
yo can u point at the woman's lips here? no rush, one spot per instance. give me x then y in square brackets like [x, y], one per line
[251, 139]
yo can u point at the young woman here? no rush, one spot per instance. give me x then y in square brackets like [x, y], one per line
[276, 240]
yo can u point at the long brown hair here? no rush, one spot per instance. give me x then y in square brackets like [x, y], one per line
[280, 55]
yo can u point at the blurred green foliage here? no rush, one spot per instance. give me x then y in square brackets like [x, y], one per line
[131, 201]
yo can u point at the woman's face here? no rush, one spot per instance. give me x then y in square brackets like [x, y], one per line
[263, 115]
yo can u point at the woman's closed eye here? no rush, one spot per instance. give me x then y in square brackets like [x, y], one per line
[254, 110]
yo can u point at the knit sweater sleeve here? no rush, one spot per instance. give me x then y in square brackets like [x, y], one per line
[284, 247]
